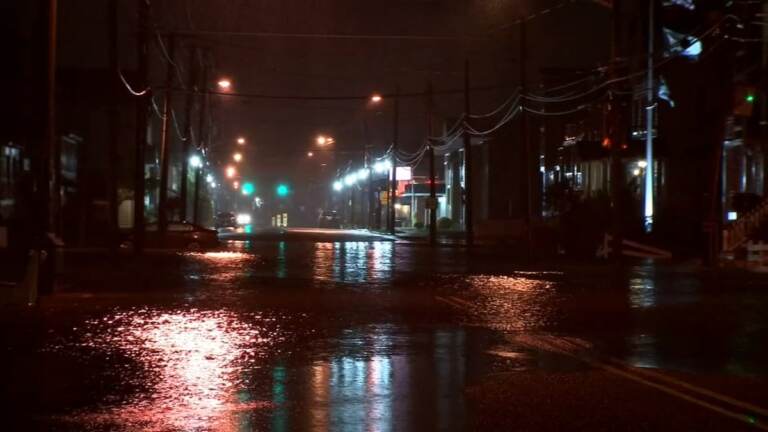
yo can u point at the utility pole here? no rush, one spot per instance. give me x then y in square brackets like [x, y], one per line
[188, 131]
[368, 166]
[142, 105]
[616, 135]
[202, 139]
[167, 136]
[649, 109]
[469, 227]
[196, 197]
[393, 184]
[526, 144]
[54, 145]
[114, 124]
[432, 185]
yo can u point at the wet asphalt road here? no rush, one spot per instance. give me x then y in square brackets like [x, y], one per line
[382, 336]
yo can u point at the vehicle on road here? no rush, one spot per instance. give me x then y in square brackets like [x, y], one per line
[329, 219]
[179, 235]
[225, 220]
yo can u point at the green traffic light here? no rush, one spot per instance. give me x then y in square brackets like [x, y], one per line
[248, 188]
[750, 98]
[282, 190]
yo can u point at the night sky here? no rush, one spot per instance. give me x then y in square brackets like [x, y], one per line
[280, 132]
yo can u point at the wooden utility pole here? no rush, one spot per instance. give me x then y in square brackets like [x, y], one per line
[167, 135]
[432, 185]
[142, 107]
[616, 136]
[202, 140]
[468, 222]
[526, 142]
[393, 184]
[53, 141]
[188, 131]
[114, 125]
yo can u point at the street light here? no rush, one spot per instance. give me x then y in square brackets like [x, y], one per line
[241, 141]
[237, 157]
[337, 185]
[209, 178]
[376, 98]
[195, 161]
[231, 171]
[224, 84]
[310, 154]
[323, 140]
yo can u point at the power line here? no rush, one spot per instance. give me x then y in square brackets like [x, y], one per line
[449, 38]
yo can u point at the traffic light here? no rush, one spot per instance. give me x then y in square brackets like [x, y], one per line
[248, 188]
[744, 99]
[282, 190]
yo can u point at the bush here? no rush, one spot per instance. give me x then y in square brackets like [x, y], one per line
[444, 223]
[418, 225]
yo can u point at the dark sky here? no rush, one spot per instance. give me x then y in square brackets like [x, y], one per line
[280, 132]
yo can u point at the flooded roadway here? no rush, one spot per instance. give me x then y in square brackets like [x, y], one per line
[380, 336]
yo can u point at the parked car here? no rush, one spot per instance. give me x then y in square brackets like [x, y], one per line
[179, 235]
[226, 220]
[329, 219]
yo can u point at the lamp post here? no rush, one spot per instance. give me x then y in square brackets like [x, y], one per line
[197, 163]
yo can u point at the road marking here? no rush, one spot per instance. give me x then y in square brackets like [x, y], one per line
[710, 393]
[561, 345]
[556, 344]
[462, 302]
[450, 302]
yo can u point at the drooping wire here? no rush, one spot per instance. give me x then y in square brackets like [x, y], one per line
[128, 86]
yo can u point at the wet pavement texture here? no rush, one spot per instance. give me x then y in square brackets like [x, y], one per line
[383, 336]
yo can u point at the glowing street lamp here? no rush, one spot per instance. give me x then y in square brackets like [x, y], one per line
[195, 161]
[376, 98]
[224, 84]
[241, 141]
[209, 178]
[323, 140]
[237, 157]
[310, 154]
[337, 185]
[231, 171]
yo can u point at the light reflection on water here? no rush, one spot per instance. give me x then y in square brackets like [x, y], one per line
[192, 364]
[514, 302]
[353, 261]
[371, 386]
[642, 292]
[219, 266]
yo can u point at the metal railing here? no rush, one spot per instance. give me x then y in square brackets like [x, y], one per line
[738, 233]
